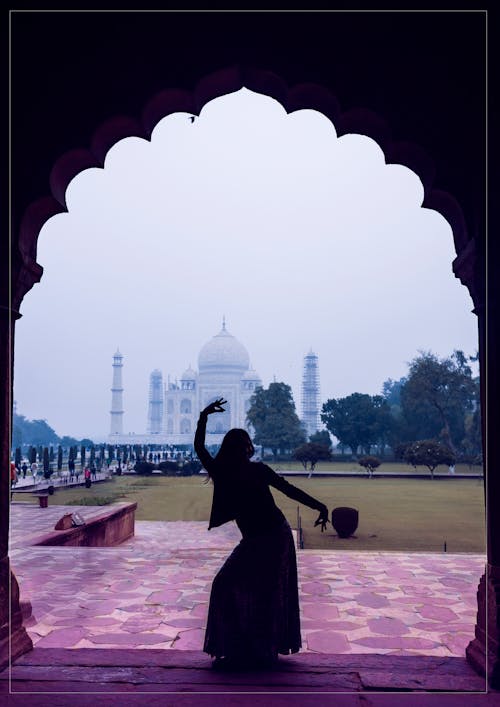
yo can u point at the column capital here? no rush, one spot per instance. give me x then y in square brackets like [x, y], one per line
[6, 311]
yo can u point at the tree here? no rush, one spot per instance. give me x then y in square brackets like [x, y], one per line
[472, 441]
[312, 453]
[86, 442]
[17, 458]
[59, 458]
[429, 453]
[437, 396]
[369, 463]
[67, 442]
[321, 437]
[17, 431]
[383, 425]
[46, 463]
[391, 391]
[273, 417]
[357, 420]
[82, 455]
[35, 432]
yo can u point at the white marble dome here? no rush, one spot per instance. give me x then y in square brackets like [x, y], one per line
[223, 352]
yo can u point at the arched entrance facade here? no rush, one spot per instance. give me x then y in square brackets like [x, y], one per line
[294, 61]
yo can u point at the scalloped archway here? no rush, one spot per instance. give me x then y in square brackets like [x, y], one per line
[301, 96]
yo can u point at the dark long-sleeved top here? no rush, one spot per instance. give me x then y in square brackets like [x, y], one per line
[242, 493]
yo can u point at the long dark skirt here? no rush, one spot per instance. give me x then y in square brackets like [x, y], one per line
[254, 602]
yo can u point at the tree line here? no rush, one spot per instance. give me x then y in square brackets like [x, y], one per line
[437, 402]
[40, 433]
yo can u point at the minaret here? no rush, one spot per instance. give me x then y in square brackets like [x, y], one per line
[155, 407]
[310, 393]
[117, 395]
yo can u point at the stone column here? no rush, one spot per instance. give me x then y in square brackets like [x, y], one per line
[14, 641]
[483, 652]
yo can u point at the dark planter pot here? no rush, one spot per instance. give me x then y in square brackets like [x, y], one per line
[51, 490]
[345, 521]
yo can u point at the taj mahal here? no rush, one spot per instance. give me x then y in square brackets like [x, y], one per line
[224, 370]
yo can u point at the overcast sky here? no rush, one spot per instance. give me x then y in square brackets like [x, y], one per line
[301, 239]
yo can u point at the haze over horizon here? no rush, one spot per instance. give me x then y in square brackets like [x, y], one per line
[301, 239]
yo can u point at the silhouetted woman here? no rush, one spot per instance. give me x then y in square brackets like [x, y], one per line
[254, 604]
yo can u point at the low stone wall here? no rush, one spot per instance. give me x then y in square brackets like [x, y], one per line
[111, 527]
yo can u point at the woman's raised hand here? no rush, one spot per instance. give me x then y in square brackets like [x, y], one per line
[216, 406]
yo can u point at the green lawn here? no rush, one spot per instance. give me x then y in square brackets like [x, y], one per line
[394, 514]
[384, 468]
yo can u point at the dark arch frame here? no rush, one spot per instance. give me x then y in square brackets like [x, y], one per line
[228, 80]
[302, 60]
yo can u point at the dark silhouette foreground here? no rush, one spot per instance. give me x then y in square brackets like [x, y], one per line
[254, 603]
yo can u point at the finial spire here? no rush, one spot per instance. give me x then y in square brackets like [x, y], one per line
[223, 322]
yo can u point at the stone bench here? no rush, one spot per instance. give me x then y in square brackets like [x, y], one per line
[110, 527]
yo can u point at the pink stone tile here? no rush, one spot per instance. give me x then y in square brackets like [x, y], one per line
[167, 596]
[124, 585]
[319, 588]
[342, 625]
[200, 611]
[372, 599]
[191, 639]
[387, 626]
[129, 639]
[94, 620]
[139, 624]
[456, 642]
[395, 642]
[320, 610]
[436, 627]
[356, 612]
[62, 638]
[186, 622]
[327, 642]
[437, 613]
[139, 608]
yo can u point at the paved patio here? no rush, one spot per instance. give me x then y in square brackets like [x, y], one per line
[153, 591]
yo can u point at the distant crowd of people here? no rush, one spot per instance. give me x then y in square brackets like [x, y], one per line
[70, 475]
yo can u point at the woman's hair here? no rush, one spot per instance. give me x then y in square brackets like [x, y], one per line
[236, 447]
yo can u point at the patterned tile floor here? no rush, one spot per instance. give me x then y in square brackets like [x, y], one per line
[153, 590]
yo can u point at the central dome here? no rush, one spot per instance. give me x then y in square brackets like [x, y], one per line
[223, 351]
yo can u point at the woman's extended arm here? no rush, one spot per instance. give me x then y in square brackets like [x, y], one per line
[297, 494]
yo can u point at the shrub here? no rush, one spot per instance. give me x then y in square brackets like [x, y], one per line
[144, 468]
[429, 453]
[369, 463]
[169, 468]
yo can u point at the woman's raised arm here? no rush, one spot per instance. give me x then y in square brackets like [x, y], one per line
[199, 438]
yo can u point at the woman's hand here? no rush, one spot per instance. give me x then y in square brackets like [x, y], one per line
[216, 406]
[322, 518]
